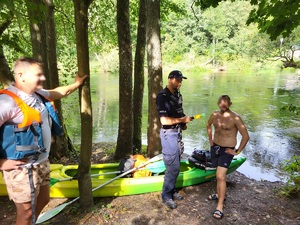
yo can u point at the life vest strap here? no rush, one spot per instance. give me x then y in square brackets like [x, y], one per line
[22, 129]
[27, 147]
[30, 115]
[32, 195]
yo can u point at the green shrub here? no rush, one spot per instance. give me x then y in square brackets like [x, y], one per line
[292, 108]
[292, 167]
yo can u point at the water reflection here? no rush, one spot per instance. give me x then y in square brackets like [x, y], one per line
[275, 134]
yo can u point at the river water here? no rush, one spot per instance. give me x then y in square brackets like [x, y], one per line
[257, 98]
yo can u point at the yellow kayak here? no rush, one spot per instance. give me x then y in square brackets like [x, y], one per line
[188, 176]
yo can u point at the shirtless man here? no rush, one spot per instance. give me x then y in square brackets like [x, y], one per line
[227, 124]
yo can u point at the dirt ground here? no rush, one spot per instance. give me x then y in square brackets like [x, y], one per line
[248, 202]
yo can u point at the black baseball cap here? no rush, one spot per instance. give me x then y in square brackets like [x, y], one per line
[176, 74]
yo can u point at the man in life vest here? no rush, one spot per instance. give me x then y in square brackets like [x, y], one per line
[26, 119]
[173, 120]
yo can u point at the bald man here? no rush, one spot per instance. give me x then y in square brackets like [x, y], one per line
[28, 87]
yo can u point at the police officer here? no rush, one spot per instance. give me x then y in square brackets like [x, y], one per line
[173, 120]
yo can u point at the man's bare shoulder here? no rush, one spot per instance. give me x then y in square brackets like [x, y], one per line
[235, 116]
[215, 113]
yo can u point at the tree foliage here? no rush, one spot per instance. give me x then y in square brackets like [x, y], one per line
[276, 17]
[273, 17]
[222, 34]
[292, 167]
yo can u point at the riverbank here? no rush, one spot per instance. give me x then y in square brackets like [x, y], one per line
[248, 202]
[190, 62]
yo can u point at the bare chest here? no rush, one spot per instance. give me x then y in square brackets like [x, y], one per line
[224, 123]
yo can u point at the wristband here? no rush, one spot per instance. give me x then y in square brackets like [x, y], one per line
[237, 151]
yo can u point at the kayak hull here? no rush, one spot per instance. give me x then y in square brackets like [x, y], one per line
[188, 176]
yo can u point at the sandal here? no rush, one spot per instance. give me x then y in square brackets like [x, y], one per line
[218, 215]
[214, 197]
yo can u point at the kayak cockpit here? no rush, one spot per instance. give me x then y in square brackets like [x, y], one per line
[103, 169]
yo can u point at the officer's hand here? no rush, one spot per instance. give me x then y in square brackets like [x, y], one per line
[7, 164]
[187, 119]
[185, 127]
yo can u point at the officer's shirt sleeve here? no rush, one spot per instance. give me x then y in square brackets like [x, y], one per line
[163, 105]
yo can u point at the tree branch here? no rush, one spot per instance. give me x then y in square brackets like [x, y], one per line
[65, 15]
[192, 7]
[6, 23]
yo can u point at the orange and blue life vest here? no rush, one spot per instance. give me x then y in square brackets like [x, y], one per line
[26, 139]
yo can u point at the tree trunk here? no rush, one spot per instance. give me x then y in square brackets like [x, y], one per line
[36, 14]
[82, 45]
[125, 133]
[138, 91]
[154, 74]
[6, 75]
[51, 44]
[59, 146]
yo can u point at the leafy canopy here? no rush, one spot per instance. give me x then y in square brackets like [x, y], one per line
[272, 16]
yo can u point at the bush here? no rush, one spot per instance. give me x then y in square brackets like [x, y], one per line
[292, 108]
[292, 187]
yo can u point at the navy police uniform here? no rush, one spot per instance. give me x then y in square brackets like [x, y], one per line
[170, 105]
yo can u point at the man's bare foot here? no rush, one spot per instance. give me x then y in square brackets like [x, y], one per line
[214, 197]
[218, 214]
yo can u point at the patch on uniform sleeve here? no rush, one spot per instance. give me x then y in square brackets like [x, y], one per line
[162, 111]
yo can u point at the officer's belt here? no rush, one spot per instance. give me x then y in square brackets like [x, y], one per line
[170, 127]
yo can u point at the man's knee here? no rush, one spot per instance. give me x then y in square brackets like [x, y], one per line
[175, 171]
[221, 174]
[24, 212]
[221, 177]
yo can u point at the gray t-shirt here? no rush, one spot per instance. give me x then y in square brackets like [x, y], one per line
[10, 113]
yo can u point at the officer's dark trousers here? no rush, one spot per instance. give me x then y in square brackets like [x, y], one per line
[171, 157]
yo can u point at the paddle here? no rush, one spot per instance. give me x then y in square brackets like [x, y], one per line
[156, 167]
[53, 212]
[54, 180]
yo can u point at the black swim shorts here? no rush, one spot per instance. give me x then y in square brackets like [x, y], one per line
[219, 157]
